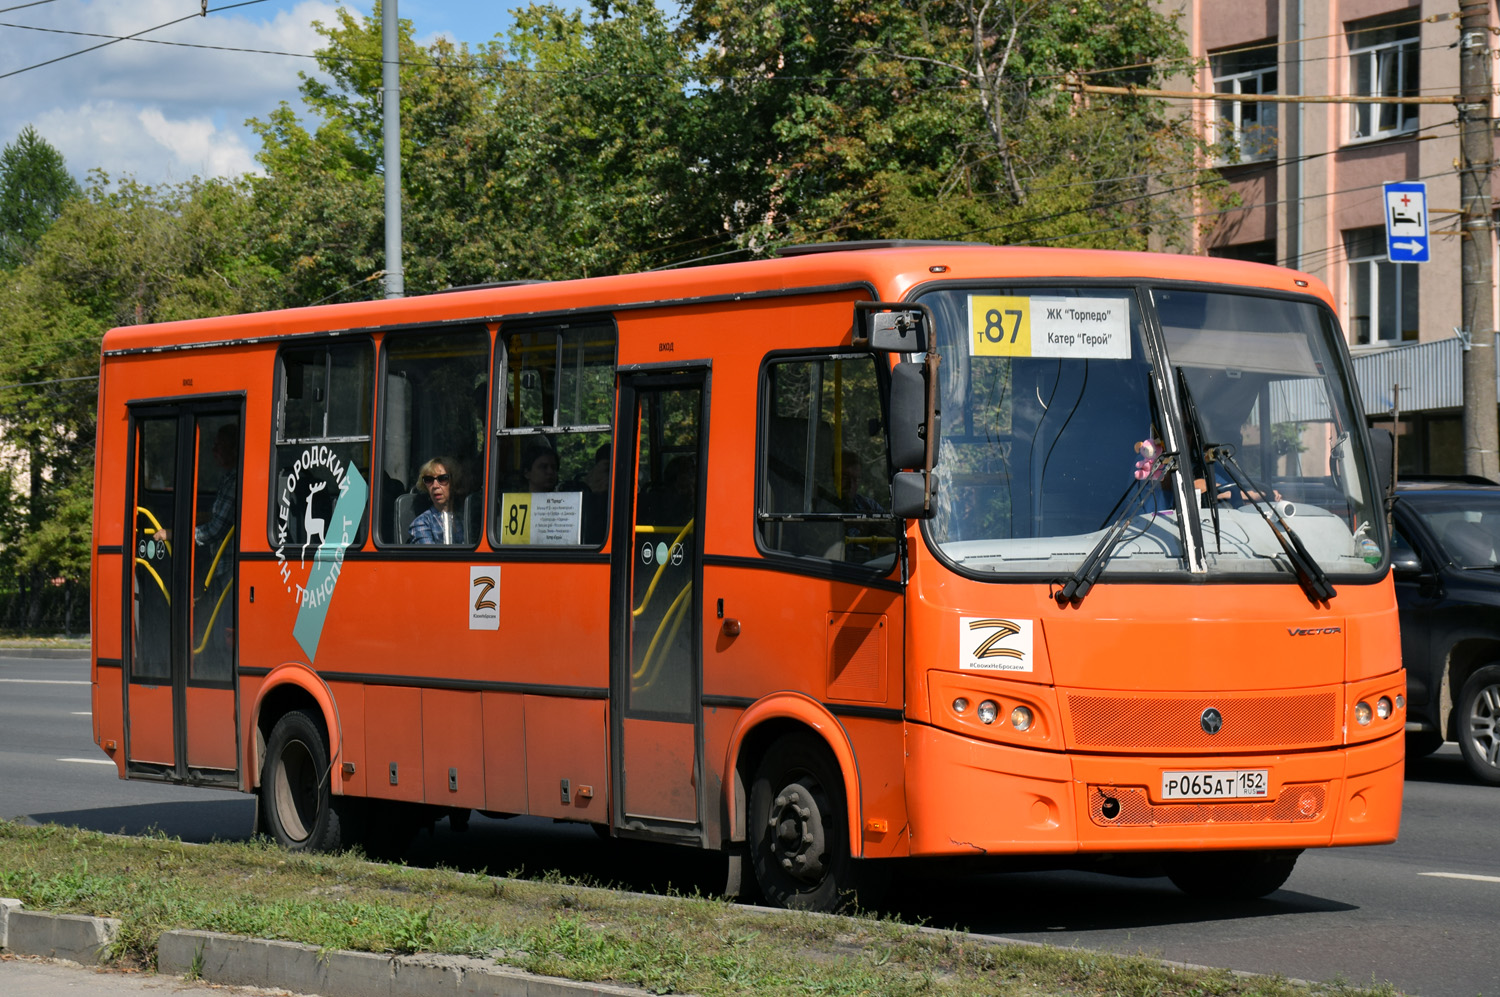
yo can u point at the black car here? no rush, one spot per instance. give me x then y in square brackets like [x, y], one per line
[1446, 560]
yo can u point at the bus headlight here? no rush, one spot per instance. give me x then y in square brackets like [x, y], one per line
[1383, 707]
[1363, 713]
[988, 711]
[960, 704]
[1021, 718]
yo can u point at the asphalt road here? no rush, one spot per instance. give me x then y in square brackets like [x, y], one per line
[1422, 914]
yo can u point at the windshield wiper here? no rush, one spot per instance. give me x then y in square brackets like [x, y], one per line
[1081, 580]
[1309, 573]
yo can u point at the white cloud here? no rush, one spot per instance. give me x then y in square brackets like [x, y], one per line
[159, 112]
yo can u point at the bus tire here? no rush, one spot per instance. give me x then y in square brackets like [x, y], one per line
[1243, 875]
[799, 835]
[296, 800]
[1479, 724]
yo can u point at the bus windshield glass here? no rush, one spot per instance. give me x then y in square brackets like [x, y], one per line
[1046, 391]
[1052, 434]
[1262, 374]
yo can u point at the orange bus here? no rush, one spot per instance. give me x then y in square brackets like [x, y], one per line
[866, 552]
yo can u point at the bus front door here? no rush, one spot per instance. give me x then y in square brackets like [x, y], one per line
[657, 672]
[181, 705]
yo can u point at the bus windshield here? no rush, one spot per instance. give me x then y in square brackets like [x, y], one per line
[1053, 430]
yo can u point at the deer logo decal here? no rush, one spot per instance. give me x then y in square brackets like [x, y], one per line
[310, 524]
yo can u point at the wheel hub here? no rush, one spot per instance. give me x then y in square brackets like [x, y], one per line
[797, 835]
[1482, 720]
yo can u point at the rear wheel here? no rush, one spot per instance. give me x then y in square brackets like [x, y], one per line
[799, 835]
[1479, 724]
[1231, 875]
[296, 799]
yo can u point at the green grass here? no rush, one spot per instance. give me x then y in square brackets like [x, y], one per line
[554, 926]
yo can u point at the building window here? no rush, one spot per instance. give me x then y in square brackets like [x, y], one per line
[1382, 295]
[1245, 130]
[1384, 62]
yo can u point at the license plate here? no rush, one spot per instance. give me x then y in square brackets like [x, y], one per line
[1217, 785]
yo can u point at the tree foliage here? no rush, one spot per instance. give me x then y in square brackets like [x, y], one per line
[34, 186]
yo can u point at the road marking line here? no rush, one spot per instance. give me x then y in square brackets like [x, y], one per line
[1462, 875]
[88, 761]
[47, 681]
[83, 713]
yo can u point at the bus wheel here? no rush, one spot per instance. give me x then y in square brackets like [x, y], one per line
[295, 796]
[1479, 724]
[798, 833]
[1230, 875]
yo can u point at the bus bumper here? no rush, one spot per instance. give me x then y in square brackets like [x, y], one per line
[972, 797]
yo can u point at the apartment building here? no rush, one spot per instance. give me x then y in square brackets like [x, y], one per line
[1310, 179]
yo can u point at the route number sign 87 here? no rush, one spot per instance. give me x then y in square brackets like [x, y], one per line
[999, 326]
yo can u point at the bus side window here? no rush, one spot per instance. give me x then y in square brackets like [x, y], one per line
[554, 423]
[825, 472]
[324, 403]
[435, 397]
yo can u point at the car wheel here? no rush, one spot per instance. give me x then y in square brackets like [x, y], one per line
[296, 800]
[1230, 875]
[1479, 724]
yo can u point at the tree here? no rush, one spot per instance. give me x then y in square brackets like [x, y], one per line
[563, 150]
[34, 186]
[945, 119]
[119, 254]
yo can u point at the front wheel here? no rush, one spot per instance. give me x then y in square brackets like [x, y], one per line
[296, 799]
[799, 835]
[1479, 724]
[1231, 875]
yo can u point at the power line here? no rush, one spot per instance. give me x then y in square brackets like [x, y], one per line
[118, 38]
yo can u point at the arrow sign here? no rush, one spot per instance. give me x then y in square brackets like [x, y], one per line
[1406, 237]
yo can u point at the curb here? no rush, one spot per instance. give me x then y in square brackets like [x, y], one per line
[68, 653]
[236, 960]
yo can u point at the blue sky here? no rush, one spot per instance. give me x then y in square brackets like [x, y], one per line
[164, 112]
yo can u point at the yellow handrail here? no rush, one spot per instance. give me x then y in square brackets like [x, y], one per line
[213, 616]
[222, 545]
[142, 510]
[675, 614]
[661, 567]
[160, 584]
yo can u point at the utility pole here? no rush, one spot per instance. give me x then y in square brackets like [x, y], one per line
[390, 91]
[1476, 147]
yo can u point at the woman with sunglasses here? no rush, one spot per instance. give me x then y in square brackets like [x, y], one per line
[439, 524]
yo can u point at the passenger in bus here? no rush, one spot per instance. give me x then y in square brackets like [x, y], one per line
[539, 468]
[439, 524]
[595, 488]
[226, 451]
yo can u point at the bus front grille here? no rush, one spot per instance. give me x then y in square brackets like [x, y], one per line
[1122, 722]
[1132, 806]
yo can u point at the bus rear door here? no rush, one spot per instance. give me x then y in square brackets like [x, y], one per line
[181, 708]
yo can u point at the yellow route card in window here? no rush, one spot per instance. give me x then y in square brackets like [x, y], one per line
[1039, 326]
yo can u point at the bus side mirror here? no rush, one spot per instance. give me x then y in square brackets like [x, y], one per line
[915, 424]
[1383, 449]
[908, 416]
[891, 327]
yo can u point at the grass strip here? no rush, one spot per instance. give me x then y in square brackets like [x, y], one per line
[672, 944]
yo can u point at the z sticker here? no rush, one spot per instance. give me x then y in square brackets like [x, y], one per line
[484, 597]
[991, 644]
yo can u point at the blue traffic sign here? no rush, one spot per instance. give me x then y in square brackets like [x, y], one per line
[1406, 222]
